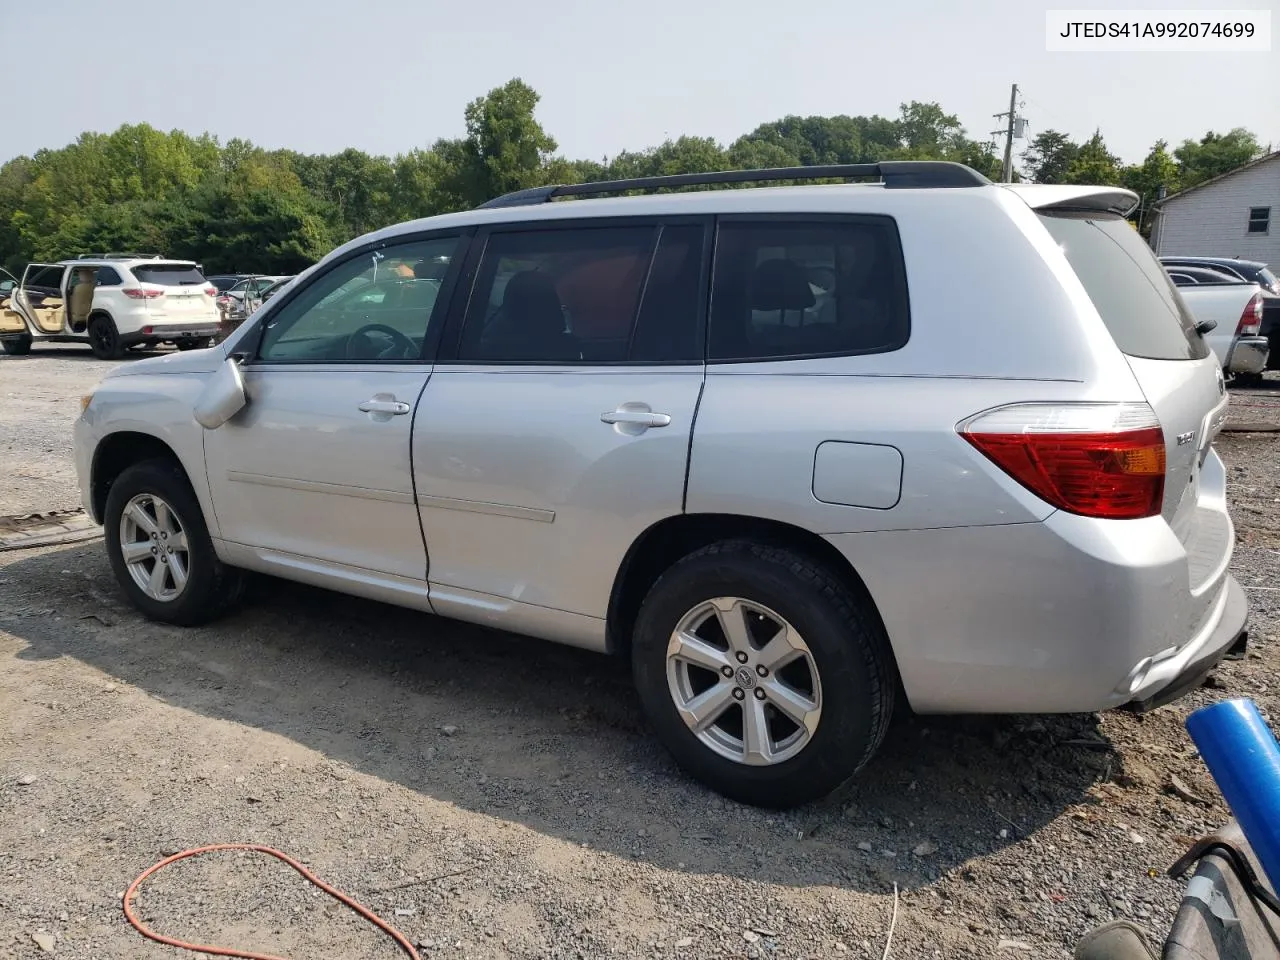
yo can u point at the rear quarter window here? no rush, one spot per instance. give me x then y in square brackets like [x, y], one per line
[1128, 286]
[792, 287]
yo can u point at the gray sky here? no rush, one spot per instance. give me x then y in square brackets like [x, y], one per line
[322, 75]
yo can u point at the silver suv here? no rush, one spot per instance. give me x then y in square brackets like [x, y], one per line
[799, 453]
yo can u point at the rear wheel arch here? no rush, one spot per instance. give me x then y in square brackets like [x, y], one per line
[117, 452]
[673, 538]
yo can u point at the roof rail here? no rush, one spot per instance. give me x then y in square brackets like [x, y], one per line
[893, 173]
[120, 256]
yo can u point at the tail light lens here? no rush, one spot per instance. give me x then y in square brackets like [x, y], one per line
[1093, 459]
[1251, 319]
[211, 291]
[142, 293]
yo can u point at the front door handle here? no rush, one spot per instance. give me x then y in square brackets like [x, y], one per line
[634, 419]
[384, 406]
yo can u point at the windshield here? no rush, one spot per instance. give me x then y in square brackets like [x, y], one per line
[1269, 280]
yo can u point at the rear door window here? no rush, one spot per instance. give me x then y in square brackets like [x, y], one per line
[1128, 286]
[800, 287]
[169, 274]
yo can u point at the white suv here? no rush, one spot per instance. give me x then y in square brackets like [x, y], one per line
[111, 302]
[798, 453]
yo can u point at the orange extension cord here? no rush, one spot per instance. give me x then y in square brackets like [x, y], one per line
[217, 951]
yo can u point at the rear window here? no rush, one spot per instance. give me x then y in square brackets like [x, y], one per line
[169, 274]
[1128, 286]
[1268, 279]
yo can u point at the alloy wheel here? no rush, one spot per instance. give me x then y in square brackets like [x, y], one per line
[744, 681]
[153, 544]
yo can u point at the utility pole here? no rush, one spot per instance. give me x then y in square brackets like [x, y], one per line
[1014, 123]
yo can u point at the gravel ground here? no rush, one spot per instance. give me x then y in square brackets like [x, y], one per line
[39, 400]
[499, 797]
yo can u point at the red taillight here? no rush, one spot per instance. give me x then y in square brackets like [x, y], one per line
[211, 291]
[1093, 459]
[148, 330]
[141, 293]
[1251, 318]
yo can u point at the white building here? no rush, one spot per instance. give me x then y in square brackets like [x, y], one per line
[1231, 215]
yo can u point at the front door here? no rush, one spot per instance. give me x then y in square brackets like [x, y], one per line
[555, 429]
[41, 297]
[316, 467]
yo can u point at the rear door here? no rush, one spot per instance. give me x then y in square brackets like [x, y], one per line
[41, 297]
[556, 425]
[10, 319]
[1173, 364]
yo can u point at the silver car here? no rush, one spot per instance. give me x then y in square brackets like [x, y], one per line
[799, 453]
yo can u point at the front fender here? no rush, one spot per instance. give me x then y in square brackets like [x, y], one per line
[154, 405]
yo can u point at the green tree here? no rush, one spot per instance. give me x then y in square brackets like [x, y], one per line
[1214, 155]
[1049, 156]
[1094, 163]
[1146, 179]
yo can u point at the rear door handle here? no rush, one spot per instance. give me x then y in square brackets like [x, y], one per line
[637, 418]
[384, 406]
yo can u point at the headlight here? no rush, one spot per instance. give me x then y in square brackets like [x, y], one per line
[85, 401]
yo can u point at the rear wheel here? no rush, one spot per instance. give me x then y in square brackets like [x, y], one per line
[766, 676]
[104, 338]
[1247, 380]
[193, 343]
[16, 346]
[160, 549]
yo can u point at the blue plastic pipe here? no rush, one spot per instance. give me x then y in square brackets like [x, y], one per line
[1244, 759]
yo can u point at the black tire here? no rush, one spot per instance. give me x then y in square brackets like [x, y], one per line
[193, 343]
[16, 346]
[845, 638]
[212, 588]
[104, 338]
[1248, 381]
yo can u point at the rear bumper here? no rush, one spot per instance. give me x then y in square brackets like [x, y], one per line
[1065, 615]
[1160, 681]
[1249, 355]
[164, 332]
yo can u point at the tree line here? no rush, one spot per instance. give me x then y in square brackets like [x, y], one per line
[237, 207]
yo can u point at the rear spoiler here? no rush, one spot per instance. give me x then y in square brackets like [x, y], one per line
[1065, 198]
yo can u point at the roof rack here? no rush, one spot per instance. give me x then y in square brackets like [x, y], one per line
[120, 256]
[893, 173]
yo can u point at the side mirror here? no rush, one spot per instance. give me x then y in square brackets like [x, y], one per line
[223, 396]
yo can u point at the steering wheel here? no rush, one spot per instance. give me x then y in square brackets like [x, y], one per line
[407, 347]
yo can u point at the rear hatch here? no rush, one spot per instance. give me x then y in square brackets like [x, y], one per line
[186, 291]
[1173, 364]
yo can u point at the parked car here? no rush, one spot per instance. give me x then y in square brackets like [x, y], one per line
[111, 302]
[633, 425]
[1253, 271]
[1230, 316]
[242, 298]
[1220, 273]
[225, 281]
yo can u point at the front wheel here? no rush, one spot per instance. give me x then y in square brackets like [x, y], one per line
[160, 549]
[104, 338]
[16, 346]
[765, 675]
